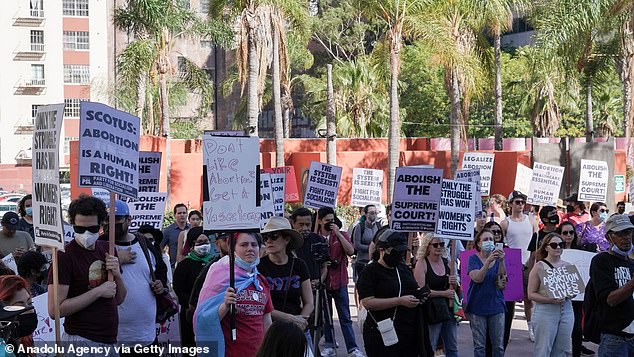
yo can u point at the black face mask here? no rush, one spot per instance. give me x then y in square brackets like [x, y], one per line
[570, 208]
[552, 220]
[28, 323]
[393, 259]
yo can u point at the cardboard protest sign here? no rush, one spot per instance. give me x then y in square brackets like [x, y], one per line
[291, 192]
[523, 177]
[562, 282]
[9, 261]
[366, 187]
[149, 171]
[108, 149]
[322, 186]
[277, 185]
[267, 203]
[472, 176]
[46, 202]
[512, 261]
[147, 209]
[593, 180]
[484, 162]
[545, 184]
[44, 334]
[232, 173]
[416, 199]
[456, 216]
[581, 259]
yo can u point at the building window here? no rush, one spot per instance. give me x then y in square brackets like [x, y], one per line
[76, 74]
[71, 107]
[204, 6]
[37, 40]
[37, 8]
[37, 74]
[75, 7]
[76, 40]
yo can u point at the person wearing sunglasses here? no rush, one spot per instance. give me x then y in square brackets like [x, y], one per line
[553, 318]
[592, 232]
[432, 270]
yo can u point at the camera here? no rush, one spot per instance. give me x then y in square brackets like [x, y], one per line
[321, 253]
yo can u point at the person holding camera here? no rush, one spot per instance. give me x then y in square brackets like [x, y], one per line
[340, 247]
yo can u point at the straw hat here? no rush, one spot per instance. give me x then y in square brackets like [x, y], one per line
[282, 225]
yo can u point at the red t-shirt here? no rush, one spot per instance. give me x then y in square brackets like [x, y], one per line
[577, 219]
[337, 274]
[251, 306]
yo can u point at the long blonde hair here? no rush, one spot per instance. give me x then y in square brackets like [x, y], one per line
[423, 249]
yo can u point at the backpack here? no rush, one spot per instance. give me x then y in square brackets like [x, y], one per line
[591, 315]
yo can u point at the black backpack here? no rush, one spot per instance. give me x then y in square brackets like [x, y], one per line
[591, 315]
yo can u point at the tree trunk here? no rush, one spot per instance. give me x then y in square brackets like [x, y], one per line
[627, 69]
[252, 101]
[150, 113]
[277, 101]
[331, 125]
[455, 114]
[589, 120]
[394, 132]
[165, 118]
[287, 123]
[499, 133]
[140, 100]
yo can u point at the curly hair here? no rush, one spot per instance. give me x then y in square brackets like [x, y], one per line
[423, 249]
[30, 261]
[87, 206]
[22, 204]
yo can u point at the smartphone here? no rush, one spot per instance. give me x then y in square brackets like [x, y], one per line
[499, 246]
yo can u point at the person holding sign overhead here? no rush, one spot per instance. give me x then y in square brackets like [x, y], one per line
[553, 318]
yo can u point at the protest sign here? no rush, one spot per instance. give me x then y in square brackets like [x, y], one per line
[416, 199]
[101, 194]
[69, 233]
[512, 261]
[9, 261]
[44, 334]
[545, 184]
[277, 185]
[456, 216]
[472, 176]
[562, 282]
[232, 173]
[323, 185]
[484, 162]
[168, 334]
[147, 209]
[366, 187]
[108, 149]
[523, 177]
[149, 171]
[291, 192]
[581, 259]
[46, 202]
[267, 203]
[593, 180]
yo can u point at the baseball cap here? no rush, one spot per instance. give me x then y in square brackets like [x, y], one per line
[617, 223]
[390, 238]
[120, 208]
[516, 194]
[10, 220]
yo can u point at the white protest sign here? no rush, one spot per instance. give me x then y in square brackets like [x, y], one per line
[149, 171]
[232, 170]
[562, 282]
[416, 199]
[523, 177]
[101, 194]
[545, 184]
[581, 259]
[484, 162]
[167, 335]
[108, 149]
[267, 203]
[147, 209]
[322, 186]
[593, 181]
[366, 187]
[9, 261]
[44, 334]
[47, 212]
[472, 176]
[456, 217]
[278, 184]
[69, 233]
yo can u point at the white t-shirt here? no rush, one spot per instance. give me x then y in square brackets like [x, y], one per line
[137, 313]
[519, 234]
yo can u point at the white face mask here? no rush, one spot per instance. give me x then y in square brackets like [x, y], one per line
[202, 249]
[86, 239]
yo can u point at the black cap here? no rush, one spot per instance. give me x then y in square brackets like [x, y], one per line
[516, 194]
[390, 238]
[10, 220]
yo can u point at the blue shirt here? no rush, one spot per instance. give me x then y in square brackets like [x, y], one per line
[170, 238]
[484, 299]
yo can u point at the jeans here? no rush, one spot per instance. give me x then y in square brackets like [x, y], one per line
[493, 326]
[342, 303]
[615, 346]
[448, 331]
[553, 325]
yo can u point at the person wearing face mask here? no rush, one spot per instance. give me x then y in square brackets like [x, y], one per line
[13, 241]
[592, 233]
[388, 290]
[14, 292]
[485, 304]
[362, 236]
[612, 283]
[185, 275]
[33, 267]
[87, 299]
[575, 210]
[137, 314]
[25, 210]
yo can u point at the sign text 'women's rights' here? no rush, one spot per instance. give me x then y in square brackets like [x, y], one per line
[108, 149]
[323, 185]
[416, 199]
[232, 164]
[456, 216]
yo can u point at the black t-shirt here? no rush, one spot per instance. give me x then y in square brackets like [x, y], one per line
[305, 253]
[537, 239]
[608, 273]
[281, 279]
[382, 283]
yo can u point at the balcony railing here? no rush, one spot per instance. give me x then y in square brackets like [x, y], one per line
[37, 13]
[37, 47]
[36, 82]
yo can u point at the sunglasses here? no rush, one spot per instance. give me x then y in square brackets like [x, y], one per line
[82, 229]
[519, 202]
[604, 210]
[436, 245]
[568, 233]
[561, 245]
[272, 237]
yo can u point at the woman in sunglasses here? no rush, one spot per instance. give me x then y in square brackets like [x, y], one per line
[592, 233]
[553, 318]
[433, 271]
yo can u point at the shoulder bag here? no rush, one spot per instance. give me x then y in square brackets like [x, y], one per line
[166, 305]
